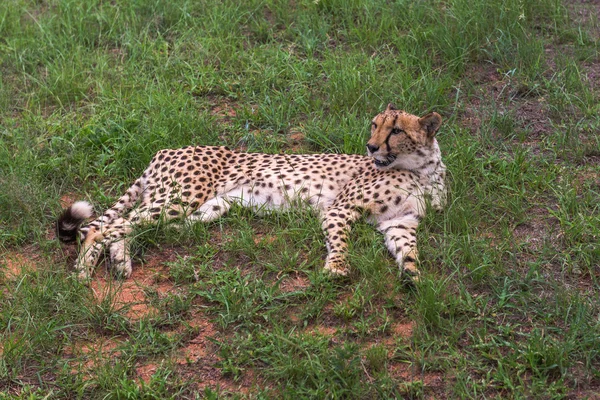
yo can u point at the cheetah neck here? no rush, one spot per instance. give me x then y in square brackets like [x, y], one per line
[425, 163]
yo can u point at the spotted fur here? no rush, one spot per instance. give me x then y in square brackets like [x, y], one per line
[200, 183]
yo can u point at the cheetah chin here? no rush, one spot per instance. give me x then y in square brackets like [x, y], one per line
[385, 162]
[200, 183]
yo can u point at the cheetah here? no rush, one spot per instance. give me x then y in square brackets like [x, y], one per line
[391, 184]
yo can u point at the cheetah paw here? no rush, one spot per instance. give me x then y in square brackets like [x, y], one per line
[123, 269]
[84, 277]
[336, 269]
[411, 275]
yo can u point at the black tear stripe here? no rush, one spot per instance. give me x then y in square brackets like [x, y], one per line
[387, 139]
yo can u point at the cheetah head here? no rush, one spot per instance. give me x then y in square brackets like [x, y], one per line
[401, 140]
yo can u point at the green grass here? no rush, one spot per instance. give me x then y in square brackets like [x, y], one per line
[508, 306]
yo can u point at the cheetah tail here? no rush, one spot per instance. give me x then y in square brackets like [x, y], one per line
[69, 221]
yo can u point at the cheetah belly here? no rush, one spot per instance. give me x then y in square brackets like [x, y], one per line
[279, 191]
[279, 196]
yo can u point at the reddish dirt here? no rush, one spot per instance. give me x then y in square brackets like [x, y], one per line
[260, 238]
[322, 330]
[296, 136]
[130, 293]
[432, 381]
[196, 347]
[403, 329]
[293, 283]
[198, 360]
[67, 199]
[409, 372]
[297, 141]
[12, 264]
[88, 355]
[145, 371]
[224, 111]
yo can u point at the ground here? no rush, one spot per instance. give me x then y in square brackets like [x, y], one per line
[238, 308]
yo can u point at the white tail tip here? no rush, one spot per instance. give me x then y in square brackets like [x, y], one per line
[82, 210]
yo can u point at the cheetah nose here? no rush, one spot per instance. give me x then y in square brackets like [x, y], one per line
[372, 148]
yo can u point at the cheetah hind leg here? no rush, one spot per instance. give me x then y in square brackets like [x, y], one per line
[92, 249]
[210, 210]
[119, 244]
[119, 240]
[89, 254]
[120, 257]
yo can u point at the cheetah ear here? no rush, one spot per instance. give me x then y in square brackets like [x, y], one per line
[391, 107]
[430, 123]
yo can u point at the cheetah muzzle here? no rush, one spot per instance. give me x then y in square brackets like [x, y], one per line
[200, 183]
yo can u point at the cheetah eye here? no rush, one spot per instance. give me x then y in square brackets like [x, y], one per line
[396, 131]
[373, 125]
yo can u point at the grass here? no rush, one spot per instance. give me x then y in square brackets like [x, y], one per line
[239, 308]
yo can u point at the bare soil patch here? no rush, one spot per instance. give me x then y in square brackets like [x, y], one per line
[89, 354]
[132, 293]
[199, 361]
[293, 283]
[12, 263]
[433, 382]
[502, 95]
[540, 227]
[224, 111]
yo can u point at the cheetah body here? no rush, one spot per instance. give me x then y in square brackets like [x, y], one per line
[200, 183]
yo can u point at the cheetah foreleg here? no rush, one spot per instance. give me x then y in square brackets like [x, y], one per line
[438, 196]
[336, 225]
[401, 241]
